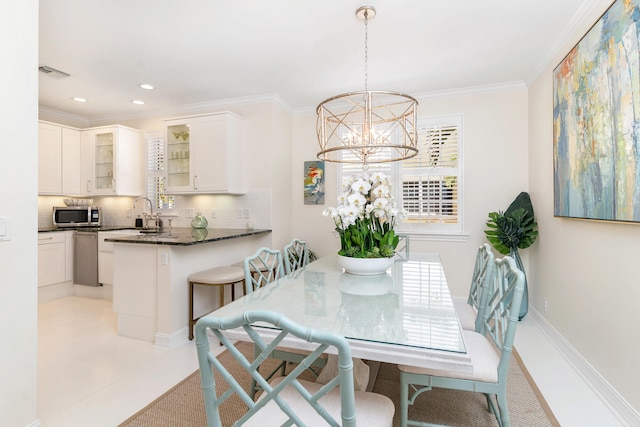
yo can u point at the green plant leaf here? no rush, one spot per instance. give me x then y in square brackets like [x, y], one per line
[514, 228]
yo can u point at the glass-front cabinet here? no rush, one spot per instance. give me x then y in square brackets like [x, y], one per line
[104, 161]
[206, 154]
[178, 156]
[111, 161]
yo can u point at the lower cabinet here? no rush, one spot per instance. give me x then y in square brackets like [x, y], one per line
[52, 258]
[105, 254]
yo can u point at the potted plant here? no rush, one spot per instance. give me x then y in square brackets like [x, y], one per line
[365, 219]
[514, 229]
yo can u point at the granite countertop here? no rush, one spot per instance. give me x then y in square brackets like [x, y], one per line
[187, 236]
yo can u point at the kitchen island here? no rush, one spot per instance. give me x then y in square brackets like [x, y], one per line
[151, 271]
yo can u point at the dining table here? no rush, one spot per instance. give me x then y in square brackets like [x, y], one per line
[404, 316]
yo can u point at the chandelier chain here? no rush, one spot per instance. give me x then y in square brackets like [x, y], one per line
[366, 50]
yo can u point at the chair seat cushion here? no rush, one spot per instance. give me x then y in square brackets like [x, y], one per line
[484, 360]
[218, 276]
[372, 409]
[466, 314]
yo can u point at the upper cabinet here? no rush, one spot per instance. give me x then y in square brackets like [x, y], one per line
[206, 154]
[111, 161]
[58, 160]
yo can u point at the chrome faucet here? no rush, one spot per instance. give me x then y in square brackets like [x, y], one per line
[146, 217]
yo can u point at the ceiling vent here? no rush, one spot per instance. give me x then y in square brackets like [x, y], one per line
[52, 72]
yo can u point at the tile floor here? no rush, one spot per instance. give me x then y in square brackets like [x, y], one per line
[89, 376]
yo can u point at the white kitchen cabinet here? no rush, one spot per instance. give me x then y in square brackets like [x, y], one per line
[111, 161]
[105, 254]
[206, 154]
[52, 258]
[58, 159]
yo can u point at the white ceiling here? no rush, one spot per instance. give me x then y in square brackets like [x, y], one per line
[304, 51]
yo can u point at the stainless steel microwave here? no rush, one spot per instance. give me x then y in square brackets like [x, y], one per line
[77, 216]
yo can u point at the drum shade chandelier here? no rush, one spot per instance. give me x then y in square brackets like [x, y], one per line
[367, 126]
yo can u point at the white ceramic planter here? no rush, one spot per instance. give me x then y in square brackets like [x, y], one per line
[365, 266]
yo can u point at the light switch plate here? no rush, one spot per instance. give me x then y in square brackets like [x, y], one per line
[5, 230]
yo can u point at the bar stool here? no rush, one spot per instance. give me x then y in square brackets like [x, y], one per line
[217, 276]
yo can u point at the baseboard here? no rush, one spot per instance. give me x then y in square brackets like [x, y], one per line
[53, 292]
[169, 341]
[609, 396]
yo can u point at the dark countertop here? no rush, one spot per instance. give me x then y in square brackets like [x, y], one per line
[187, 236]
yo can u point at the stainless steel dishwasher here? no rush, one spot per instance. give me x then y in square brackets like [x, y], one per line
[85, 258]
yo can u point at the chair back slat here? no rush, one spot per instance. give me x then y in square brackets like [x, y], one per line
[503, 307]
[296, 255]
[322, 340]
[480, 282]
[261, 268]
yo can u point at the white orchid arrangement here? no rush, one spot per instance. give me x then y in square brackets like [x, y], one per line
[366, 216]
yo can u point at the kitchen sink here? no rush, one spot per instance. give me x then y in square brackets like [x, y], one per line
[149, 231]
[156, 235]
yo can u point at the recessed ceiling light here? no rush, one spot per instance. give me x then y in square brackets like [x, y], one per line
[146, 86]
[78, 99]
[138, 102]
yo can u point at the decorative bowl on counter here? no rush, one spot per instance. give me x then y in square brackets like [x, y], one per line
[78, 202]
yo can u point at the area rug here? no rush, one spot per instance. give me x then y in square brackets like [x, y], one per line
[182, 405]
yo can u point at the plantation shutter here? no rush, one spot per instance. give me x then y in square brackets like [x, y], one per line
[428, 186]
[156, 172]
[430, 179]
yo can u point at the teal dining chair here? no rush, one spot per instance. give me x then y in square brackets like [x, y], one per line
[470, 312]
[490, 352]
[296, 255]
[263, 267]
[286, 400]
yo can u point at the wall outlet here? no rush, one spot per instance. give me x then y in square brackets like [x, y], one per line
[545, 305]
[240, 213]
[129, 213]
[213, 214]
[247, 213]
[191, 213]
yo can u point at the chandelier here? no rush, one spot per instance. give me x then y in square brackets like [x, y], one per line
[367, 126]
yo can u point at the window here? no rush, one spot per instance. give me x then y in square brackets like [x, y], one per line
[428, 186]
[156, 172]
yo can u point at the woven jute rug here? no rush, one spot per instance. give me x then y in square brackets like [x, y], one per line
[182, 405]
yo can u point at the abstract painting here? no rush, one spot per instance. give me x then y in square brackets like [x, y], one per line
[314, 182]
[596, 120]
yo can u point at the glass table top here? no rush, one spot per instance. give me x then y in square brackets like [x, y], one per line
[409, 306]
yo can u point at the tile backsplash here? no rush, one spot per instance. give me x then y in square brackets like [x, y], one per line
[230, 211]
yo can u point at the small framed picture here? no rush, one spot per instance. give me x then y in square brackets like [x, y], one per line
[314, 182]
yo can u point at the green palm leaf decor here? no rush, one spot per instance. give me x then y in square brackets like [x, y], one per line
[514, 229]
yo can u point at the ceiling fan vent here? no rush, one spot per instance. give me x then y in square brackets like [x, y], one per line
[52, 72]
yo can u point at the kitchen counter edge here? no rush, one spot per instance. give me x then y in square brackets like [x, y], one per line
[187, 236]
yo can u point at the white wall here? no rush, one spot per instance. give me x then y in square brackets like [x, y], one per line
[495, 167]
[18, 189]
[586, 270]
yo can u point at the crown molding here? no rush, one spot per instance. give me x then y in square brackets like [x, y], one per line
[577, 26]
[187, 109]
[60, 117]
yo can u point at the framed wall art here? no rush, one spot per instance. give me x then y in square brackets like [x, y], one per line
[314, 182]
[596, 121]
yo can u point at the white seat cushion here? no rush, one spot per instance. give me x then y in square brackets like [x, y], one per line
[484, 360]
[218, 275]
[466, 314]
[372, 410]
